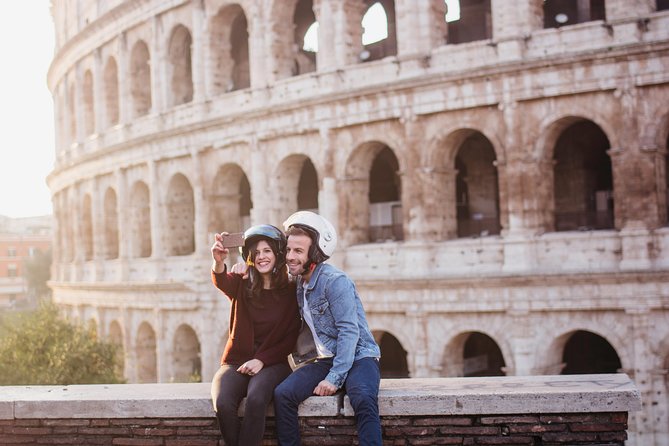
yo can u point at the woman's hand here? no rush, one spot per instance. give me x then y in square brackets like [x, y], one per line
[241, 268]
[219, 253]
[252, 367]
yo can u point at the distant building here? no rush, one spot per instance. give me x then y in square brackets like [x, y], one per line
[20, 240]
[498, 183]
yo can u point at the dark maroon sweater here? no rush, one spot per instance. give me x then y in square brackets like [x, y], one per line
[266, 330]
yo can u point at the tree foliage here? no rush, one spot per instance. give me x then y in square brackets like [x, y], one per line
[37, 271]
[41, 347]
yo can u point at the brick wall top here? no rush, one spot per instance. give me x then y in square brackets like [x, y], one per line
[424, 396]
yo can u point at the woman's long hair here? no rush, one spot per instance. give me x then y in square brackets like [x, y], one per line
[279, 276]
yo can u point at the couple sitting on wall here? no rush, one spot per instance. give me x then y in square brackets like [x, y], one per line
[270, 311]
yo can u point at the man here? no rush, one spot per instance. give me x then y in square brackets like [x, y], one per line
[331, 307]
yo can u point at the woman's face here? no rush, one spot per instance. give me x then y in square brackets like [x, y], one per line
[264, 258]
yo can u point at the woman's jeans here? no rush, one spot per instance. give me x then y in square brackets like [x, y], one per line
[361, 386]
[229, 387]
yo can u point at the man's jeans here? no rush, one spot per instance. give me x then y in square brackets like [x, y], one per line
[361, 386]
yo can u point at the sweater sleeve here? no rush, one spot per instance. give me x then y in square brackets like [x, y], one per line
[227, 282]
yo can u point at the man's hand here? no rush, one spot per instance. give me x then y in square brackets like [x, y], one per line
[325, 388]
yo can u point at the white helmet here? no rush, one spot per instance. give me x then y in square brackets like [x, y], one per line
[324, 232]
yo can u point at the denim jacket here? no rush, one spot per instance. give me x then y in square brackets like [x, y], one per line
[339, 319]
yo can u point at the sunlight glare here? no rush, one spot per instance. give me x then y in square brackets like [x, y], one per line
[375, 24]
[311, 39]
[452, 10]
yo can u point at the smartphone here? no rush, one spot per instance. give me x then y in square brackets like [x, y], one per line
[233, 240]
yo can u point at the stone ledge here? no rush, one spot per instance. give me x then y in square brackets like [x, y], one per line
[424, 396]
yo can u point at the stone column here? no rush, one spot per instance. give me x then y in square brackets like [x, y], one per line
[257, 49]
[163, 346]
[263, 204]
[325, 11]
[202, 241]
[523, 342]
[421, 26]
[339, 33]
[512, 25]
[124, 95]
[198, 52]
[123, 216]
[641, 333]
[157, 234]
[99, 100]
[625, 9]
[418, 362]
[78, 85]
[98, 225]
[158, 61]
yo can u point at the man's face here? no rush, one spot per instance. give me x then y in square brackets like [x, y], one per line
[297, 253]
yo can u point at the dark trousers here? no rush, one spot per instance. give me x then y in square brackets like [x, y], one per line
[361, 386]
[229, 387]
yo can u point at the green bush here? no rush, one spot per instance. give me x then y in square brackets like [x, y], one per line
[42, 348]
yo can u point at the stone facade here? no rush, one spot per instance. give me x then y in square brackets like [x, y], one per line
[499, 183]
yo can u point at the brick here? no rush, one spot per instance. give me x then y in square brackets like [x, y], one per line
[434, 441]
[522, 429]
[64, 422]
[28, 430]
[529, 419]
[191, 442]
[596, 427]
[471, 430]
[505, 440]
[450, 421]
[152, 431]
[137, 442]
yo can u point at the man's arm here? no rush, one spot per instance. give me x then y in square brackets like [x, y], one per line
[341, 298]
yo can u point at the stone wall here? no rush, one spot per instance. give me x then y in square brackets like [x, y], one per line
[546, 410]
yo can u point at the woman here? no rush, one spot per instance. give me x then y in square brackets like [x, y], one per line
[264, 323]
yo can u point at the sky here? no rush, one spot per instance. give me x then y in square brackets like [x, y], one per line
[27, 149]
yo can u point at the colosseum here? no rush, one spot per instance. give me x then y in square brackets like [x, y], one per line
[497, 176]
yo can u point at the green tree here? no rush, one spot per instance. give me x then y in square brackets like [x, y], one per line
[37, 272]
[41, 347]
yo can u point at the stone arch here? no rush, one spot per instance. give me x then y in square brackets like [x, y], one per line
[87, 227]
[582, 178]
[586, 353]
[111, 224]
[230, 200]
[140, 79]
[475, 22]
[303, 18]
[559, 13]
[140, 220]
[110, 80]
[286, 49]
[393, 361]
[116, 338]
[146, 354]
[186, 361]
[180, 69]
[388, 46]
[477, 187]
[550, 358]
[180, 207]
[473, 353]
[367, 170]
[229, 43]
[551, 127]
[661, 137]
[296, 183]
[89, 103]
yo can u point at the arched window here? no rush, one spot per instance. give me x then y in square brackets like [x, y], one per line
[89, 104]
[229, 42]
[180, 217]
[147, 356]
[583, 179]
[379, 38]
[140, 79]
[111, 225]
[393, 363]
[482, 356]
[469, 21]
[230, 200]
[477, 193]
[87, 228]
[307, 189]
[662, 5]
[72, 112]
[180, 66]
[586, 352]
[303, 20]
[140, 221]
[385, 206]
[111, 92]
[569, 12]
[187, 365]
